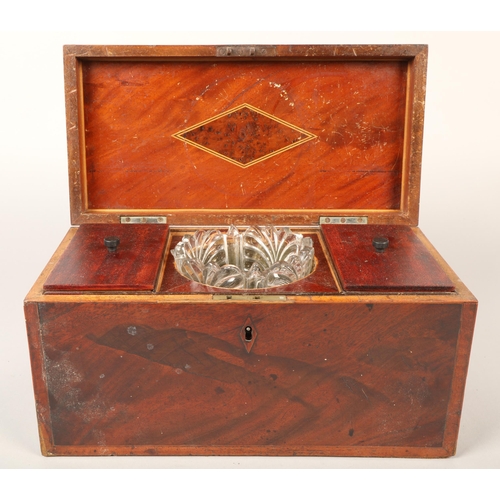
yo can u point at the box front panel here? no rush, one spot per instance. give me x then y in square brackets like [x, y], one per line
[248, 378]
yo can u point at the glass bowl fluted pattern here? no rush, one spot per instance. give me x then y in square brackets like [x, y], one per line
[259, 257]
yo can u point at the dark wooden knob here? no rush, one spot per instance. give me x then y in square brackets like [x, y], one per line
[112, 243]
[380, 243]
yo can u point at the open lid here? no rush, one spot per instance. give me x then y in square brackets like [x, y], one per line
[207, 135]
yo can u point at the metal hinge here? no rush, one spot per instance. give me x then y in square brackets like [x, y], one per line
[261, 298]
[343, 220]
[143, 220]
[246, 51]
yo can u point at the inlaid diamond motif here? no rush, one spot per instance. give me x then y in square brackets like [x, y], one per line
[244, 135]
[248, 334]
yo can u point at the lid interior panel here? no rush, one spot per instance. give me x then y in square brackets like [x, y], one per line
[243, 135]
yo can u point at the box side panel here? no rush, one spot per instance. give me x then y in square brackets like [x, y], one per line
[39, 376]
[318, 379]
[459, 377]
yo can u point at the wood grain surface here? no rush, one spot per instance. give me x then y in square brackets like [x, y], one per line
[127, 108]
[318, 377]
[88, 265]
[355, 109]
[405, 266]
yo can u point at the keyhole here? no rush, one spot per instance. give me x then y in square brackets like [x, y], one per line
[248, 333]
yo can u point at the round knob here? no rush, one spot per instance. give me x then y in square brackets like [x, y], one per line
[380, 243]
[112, 243]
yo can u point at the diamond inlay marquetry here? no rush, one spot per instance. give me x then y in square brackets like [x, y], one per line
[244, 135]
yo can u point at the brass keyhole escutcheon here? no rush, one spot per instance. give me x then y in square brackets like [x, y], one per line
[248, 334]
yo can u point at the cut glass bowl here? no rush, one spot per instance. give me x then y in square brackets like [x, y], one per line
[259, 257]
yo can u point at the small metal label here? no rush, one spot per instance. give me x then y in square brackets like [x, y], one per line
[343, 220]
[143, 220]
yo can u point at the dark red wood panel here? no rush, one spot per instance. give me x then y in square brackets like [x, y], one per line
[406, 265]
[353, 110]
[87, 264]
[318, 377]
[319, 282]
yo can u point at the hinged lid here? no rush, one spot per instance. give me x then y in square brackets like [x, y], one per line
[88, 264]
[267, 134]
[401, 264]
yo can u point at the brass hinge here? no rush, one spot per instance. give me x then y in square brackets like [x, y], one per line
[260, 298]
[343, 220]
[143, 220]
[246, 51]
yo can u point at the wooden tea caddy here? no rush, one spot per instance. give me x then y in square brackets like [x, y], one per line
[367, 356]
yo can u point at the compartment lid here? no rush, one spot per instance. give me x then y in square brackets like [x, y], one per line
[405, 265]
[88, 265]
[208, 135]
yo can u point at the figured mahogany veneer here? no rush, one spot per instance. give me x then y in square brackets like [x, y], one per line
[88, 265]
[355, 110]
[405, 266]
[321, 378]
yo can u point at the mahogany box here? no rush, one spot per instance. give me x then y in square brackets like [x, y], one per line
[365, 356]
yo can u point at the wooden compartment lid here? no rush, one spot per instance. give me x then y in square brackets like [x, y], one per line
[88, 265]
[404, 265]
[207, 135]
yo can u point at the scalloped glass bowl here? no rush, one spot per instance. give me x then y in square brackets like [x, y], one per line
[259, 257]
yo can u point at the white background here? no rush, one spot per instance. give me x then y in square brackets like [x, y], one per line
[459, 206]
